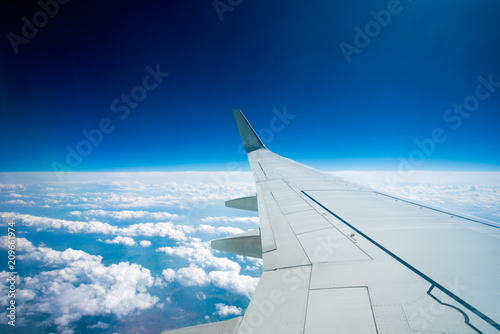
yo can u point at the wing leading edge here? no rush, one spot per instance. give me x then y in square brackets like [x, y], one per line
[343, 258]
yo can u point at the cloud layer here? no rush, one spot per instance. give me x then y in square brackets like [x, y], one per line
[84, 286]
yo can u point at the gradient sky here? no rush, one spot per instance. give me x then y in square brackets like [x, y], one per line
[262, 56]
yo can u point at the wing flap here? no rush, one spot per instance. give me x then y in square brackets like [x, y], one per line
[248, 203]
[247, 244]
[279, 303]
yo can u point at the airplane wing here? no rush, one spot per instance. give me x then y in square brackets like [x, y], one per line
[342, 258]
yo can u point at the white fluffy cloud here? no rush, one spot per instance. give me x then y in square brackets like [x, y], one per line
[84, 286]
[119, 240]
[206, 268]
[125, 214]
[231, 281]
[145, 243]
[162, 229]
[218, 230]
[190, 276]
[199, 253]
[43, 223]
[152, 194]
[234, 282]
[224, 310]
[230, 220]
[99, 325]
[19, 202]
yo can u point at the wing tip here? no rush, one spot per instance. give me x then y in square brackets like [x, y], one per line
[251, 140]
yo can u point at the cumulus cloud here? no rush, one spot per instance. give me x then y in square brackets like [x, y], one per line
[119, 240]
[67, 285]
[12, 187]
[230, 220]
[19, 202]
[231, 281]
[169, 274]
[84, 286]
[162, 229]
[224, 310]
[130, 195]
[145, 243]
[218, 230]
[98, 325]
[125, 214]
[234, 282]
[206, 268]
[200, 253]
[174, 232]
[43, 223]
[190, 276]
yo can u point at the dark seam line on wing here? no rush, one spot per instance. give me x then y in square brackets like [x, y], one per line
[262, 169]
[307, 298]
[456, 308]
[291, 229]
[341, 287]
[267, 216]
[371, 306]
[430, 208]
[415, 270]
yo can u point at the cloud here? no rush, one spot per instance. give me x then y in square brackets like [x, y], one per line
[125, 214]
[190, 276]
[218, 230]
[231, 281]
[12, 187]
[199, 253]
[206, 268]
[167, 229]
[119, 240]
[234, 282]
[145, 243]
[230, 220]
[19, 202]
[16, 195]
[83, 287]
[162, 229]
[139, 195]
[99, 325]
[224, 310]
[43, 223]
[169, 274]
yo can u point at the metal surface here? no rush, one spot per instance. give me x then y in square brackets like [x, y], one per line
[342, 258]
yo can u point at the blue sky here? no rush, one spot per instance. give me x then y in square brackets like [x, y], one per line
[363, 114]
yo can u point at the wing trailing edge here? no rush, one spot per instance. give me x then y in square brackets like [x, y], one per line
[221, 327]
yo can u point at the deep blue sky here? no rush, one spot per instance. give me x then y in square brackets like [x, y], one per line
[263, 55]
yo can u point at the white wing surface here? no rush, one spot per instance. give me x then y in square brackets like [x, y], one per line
[341, 258]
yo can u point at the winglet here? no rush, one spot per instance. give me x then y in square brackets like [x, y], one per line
[251, 141]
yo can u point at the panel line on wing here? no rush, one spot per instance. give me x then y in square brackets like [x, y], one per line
[466, 317]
